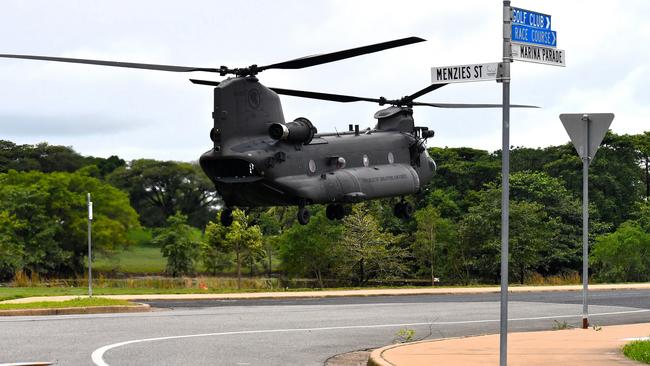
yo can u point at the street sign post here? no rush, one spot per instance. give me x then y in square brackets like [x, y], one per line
[536, 43]
[586, 131]
[505, 183]
[90, 254]
[464, 73]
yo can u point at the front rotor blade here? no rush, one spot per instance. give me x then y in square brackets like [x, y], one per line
[472, 105]
[424, 91]
[314, 60]
[129, 65]
[324, 96]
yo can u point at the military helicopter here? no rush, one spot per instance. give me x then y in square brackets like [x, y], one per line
[260, 159]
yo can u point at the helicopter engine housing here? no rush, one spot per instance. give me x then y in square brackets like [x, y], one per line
[300, 131]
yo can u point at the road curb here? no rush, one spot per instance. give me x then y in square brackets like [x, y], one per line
[376, 358]
[345, 293]
[78, 310]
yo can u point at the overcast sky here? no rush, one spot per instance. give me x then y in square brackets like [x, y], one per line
[103, 111]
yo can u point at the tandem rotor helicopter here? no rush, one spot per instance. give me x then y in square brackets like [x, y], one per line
[260, 159]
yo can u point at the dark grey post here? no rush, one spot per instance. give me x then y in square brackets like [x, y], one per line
[505, 177]
[585, 225]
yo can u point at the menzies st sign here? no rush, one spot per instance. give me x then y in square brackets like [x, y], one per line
[464, 73]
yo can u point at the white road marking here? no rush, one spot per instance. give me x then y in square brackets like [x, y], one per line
[98, 355]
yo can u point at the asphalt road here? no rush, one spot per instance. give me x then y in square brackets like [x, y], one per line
[291, 332]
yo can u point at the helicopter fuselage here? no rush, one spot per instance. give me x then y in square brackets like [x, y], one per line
[250, 168]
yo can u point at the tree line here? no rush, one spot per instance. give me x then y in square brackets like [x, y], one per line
[454, 236]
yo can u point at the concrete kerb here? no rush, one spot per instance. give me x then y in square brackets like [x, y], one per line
[593, 347]
[136, 308]
[341, 293]
[376, 358]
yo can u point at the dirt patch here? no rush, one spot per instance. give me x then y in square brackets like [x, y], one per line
[355, 358]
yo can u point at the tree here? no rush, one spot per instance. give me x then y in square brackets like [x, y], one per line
[42, 157]
[642, 143]
[563, 207]
[623, 255]
[615, 177]
[158, 189]
[178, 244]
[11, 248]
[641, 215]
[46, 216]
[311, 249]
[367, 252]
[532, 235]
[270, 224]
[242, 239]
[464, 169]
[215, 253]
[433, 237]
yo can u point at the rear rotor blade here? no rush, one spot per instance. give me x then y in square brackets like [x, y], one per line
[129, 65]
[204, 82]
[314, 60]
[306, 94]
[472, 105]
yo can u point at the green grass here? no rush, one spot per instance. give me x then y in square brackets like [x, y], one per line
[74, 303]
[638, 351]
[140, 258]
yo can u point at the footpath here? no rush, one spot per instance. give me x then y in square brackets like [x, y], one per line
[579, 347]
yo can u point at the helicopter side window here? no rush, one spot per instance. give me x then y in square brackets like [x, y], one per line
[312, 166]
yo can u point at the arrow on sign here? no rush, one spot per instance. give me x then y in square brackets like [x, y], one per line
[548, 22]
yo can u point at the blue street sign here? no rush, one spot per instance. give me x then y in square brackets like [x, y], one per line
[542, 37]
[531, 18]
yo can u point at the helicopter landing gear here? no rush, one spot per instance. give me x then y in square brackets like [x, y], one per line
[303, 215]
[226, 217]
[403, 210]
[335, 211]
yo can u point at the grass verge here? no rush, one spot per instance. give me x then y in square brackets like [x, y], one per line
[638, 351]
[74, 303]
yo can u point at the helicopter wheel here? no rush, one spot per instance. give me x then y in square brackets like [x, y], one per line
[335, 211]
[330, 211]
[340, 212]
[403, 210]
[303, 215]
[226, 217]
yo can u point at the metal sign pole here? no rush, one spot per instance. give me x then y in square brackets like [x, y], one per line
[586, 131]
[505, 177]
[585, 225]
[90, 254]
